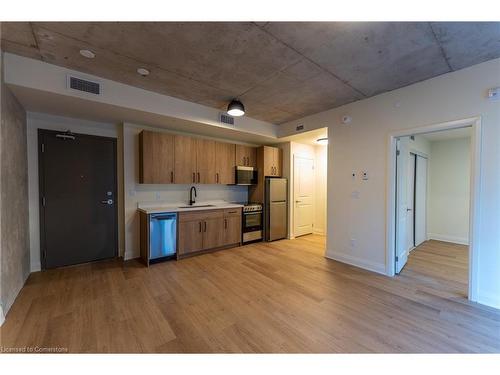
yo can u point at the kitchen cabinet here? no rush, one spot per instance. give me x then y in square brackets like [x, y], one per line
[190, 237]
[205, 161]
[156, 158]
[185, 160]
[207, 230]
[246, 156]
[232, 226]
[271, 161]
[178, 159]
[224, 163]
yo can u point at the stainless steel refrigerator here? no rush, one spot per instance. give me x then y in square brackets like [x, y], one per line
[276, 209]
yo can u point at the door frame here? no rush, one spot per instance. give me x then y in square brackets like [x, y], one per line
[294, 211]
[41, 191]
[475, 180]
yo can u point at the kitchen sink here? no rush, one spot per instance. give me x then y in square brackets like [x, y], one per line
[198, 206]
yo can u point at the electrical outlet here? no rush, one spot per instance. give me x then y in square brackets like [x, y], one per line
[353, 243]
[158, 196]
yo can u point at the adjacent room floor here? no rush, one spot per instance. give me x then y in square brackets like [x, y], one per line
[268, 297]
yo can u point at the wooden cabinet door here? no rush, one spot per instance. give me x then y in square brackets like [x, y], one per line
[205, 161]
[246, 156]
[268, 160]
[278, 161]
[240, 155]
[156, 158]
[232, 230]
[184, 160]
[224, 163]
[213, 233]
[190, 237]
[252, 157]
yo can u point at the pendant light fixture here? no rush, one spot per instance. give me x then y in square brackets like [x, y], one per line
[236, 108]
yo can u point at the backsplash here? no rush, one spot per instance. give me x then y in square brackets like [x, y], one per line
[180, 193]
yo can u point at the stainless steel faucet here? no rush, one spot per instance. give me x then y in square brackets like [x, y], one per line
[191, 200]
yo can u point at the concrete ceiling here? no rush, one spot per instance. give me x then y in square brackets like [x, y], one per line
[281, 71]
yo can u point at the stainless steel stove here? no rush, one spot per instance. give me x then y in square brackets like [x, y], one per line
[252, 225]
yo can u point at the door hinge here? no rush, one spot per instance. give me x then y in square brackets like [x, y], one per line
[397, 258]
[43, 201]
[398, 152]
[43, 147]
[44, 254]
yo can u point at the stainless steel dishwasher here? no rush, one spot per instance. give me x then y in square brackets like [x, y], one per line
[162, 236]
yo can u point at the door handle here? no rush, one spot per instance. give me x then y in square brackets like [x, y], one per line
[298, 201]
[408, 209]
[107, 201]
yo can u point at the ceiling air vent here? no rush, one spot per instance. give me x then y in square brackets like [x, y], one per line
[299, 128]
[226, 119]
[84, 85]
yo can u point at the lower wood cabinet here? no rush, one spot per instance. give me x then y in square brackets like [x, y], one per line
[206, 230]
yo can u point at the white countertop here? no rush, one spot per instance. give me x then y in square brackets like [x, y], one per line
[159, 207]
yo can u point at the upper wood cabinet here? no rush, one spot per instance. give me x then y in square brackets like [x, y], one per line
[246, 156]
[271, 161]
[166, 158]
[205, 161]
[156, 158]
[224, 163]
[185, 171]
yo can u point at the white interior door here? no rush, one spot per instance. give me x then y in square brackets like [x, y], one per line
[421, 200]
[303, 191]
[410, 209]
[402, 203]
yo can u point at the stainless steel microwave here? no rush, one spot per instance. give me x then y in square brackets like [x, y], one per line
[246, 175]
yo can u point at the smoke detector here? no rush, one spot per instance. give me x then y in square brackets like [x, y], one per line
[346, 119]
[87, 53]
[143, 72]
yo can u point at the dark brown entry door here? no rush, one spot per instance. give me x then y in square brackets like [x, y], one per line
[78, 211]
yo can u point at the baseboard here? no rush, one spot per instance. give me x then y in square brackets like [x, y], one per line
[357, 262]
[446, 238]
[488, 299]
[2, 316]
[129, 256]
[321, 232]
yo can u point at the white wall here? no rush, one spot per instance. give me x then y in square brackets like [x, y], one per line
[37, 121]
[320, 168]
[363, 145]
[449, 191]
[139, 193]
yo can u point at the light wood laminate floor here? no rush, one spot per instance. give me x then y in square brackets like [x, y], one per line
[269, 297]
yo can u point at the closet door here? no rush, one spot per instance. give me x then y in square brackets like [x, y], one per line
[420, 200]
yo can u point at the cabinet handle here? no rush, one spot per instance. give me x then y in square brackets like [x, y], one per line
[247, 162]
[198, 177]
[172, 177]
[205, 226]
[217, 177]
[232, 212]
[225, 223]
[200, 226]
[194, 177]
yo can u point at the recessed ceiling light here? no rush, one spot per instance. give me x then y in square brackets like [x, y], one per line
[322, 141]
[236, 108]
[143, 72]
[87, 53]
